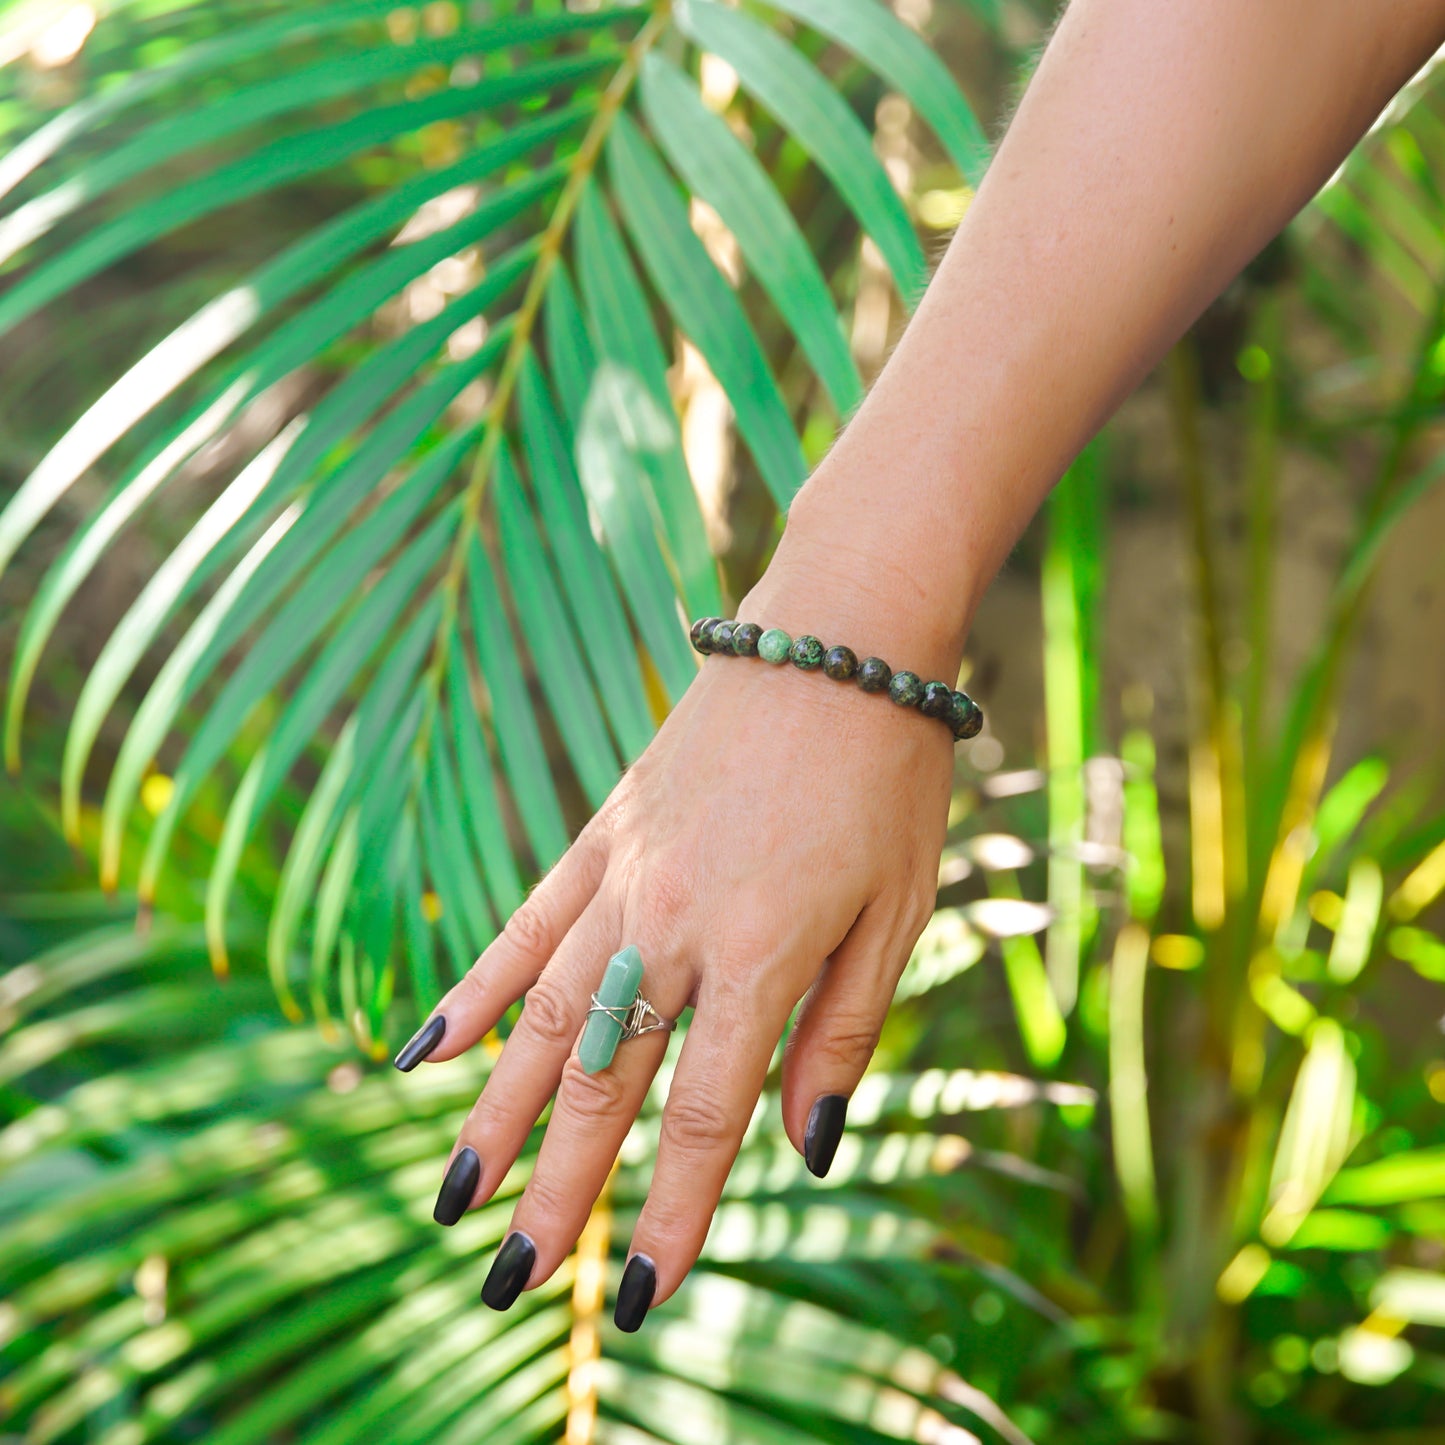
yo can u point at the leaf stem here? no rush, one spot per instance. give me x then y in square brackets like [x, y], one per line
[583, 166]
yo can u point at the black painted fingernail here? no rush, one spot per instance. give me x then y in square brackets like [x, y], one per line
[510, 1271]
[458, 1187]
[634, 1294]
[825, 1129]
[421, 1043]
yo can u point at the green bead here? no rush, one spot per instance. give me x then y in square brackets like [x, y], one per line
[965, 716]
[601, 1033]
[702, 634]
[959, 708]
[720, 639]
[840, 663]
[874, 674]
[807, 653]
[937, 700]
[745, 639]
[774, 645]
[906, 689]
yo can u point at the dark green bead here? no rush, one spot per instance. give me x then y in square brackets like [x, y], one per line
[721, 639]
[745, 639]
[965, 716]
[807, 652]
[937, 700]
[874, 674]
[840, 663]
[906, 689]
[702, 634]
[959, 708]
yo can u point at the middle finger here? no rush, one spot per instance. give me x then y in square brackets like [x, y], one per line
[589, 1121]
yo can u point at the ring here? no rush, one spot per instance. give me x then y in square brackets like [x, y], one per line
[619, 1012]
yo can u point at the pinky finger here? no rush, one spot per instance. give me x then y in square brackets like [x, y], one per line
[837, 1031]
[511, 963]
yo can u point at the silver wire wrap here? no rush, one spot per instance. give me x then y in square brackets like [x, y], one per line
[635, 1018]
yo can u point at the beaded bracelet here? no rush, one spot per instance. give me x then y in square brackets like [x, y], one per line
[956, 710]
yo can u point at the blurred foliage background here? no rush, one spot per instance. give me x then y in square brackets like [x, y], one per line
[367, 369]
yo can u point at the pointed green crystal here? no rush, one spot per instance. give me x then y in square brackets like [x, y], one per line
[619, 986]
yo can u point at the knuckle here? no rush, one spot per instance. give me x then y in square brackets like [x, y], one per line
[668, 1226]
[598, 829]
[849, 1039]
[548, 1014]
[529, 929]
[670, 892]
[548, 1197]
[924, 897]
[693, 1126]
[733, 986]
[476, 981]
[591, 1095]
[752, 934]
[915, 918]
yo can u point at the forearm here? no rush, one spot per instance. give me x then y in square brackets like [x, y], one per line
[1159, 146]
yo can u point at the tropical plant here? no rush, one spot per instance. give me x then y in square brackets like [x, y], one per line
[1275, 1273]
[215, 1226]
[227, 1235]
[490, 497]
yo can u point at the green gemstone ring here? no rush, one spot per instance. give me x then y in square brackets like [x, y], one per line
[618, 1013]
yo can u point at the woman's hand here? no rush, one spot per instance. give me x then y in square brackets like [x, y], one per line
[780, 837]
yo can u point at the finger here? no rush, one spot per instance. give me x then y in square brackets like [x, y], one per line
[527, 1071]
[837, 1031]
[589, 1121]
[511, 963]
[720, 1074]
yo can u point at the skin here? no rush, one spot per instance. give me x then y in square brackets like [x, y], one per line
[779, 840]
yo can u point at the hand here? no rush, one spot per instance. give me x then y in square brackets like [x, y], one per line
[779, 837]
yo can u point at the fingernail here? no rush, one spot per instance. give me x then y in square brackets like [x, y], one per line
[421, 1043]
[458, 1187]
[634, 1294]
[825, 1129]
[510, 1271]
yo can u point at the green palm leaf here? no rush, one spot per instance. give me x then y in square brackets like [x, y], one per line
[427, 619]
[231, 1234]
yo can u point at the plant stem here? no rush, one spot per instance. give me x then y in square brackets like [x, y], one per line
[583, 166]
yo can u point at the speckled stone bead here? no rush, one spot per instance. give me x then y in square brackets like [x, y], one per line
[745, 638]
[840, 663]
[807, 652]
[906, 689]
[965, 717]
[956, 710]
[701, 632]
[874, 674]
[774, 645]
[937, 700]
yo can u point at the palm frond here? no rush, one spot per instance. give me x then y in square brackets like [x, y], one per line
[231, 1233]
[446, 598]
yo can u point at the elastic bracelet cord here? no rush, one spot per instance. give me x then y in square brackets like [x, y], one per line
[956, 710]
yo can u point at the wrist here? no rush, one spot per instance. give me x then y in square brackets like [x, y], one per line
[837, 578]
